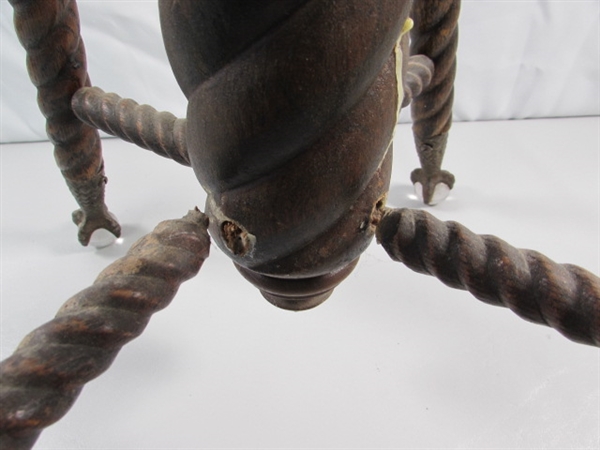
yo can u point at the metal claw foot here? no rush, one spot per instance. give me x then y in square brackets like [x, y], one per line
[432, 189]
[89, 223]
[432, 184]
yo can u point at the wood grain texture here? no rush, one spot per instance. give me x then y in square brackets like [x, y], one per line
[56, 62]
[434, 35]
[289, 126]
[42, 379]
[562, 296]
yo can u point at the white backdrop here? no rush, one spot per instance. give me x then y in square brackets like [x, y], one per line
[517, 59]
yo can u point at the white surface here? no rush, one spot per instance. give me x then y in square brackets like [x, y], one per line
[393, 359]
[517, 59]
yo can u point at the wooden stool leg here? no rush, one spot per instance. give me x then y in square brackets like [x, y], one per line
[56, 62]
[562, 296]
[435, 35]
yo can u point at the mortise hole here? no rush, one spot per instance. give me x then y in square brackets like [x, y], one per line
[378, 211]
[381, 202]
[235, 238]
[375, 217]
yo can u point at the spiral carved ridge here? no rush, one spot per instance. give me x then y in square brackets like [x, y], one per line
[292, 106]
[562, 296]
[434, 35]
[49, 31]
[161, 132]
[43, 377]
[419, 74]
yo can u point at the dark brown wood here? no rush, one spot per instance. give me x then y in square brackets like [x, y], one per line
[435, 35]
[45, 374]
[290, 119]
[419, 72]
[49, 31]
[562, 296]
[292, 106]
[161, 132]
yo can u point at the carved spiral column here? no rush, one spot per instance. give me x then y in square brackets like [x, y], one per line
[41, 380]
[562, 296]
[161, 132]
[435, 35]
[49, 31]
[292, 107]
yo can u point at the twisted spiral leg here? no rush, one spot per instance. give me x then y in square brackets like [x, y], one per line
[41, 380]
[562, 296]
[161, 132]
[419, 74]
[434, 35]
[49, 31]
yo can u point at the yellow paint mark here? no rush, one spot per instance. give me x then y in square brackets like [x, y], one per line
[408, 25]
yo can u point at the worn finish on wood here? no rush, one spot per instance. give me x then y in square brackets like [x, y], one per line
[434, 35]
[43, 377]
[562, 296]
[419, 72]
[292, 106]
[161, 132]
[290, 121]
[49, 31]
